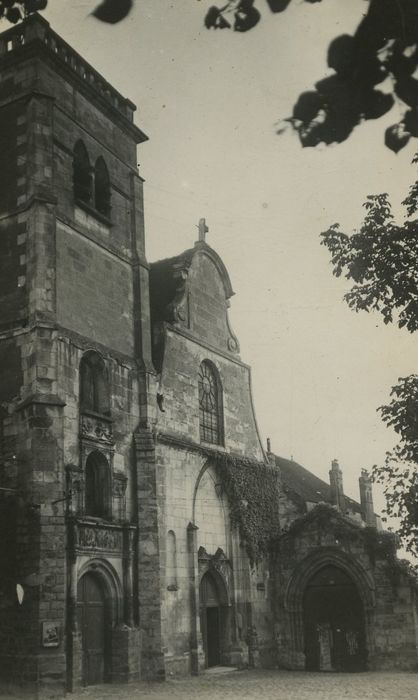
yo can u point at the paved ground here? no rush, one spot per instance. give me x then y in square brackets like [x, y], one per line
[265, 685]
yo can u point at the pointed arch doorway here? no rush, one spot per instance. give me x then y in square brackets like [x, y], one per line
[334, 626]
[213, 618]
[91, 618]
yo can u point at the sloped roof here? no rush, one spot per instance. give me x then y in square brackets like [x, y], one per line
[165, 283]
[308, 486]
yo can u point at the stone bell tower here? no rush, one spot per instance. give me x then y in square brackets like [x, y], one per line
[76, 376]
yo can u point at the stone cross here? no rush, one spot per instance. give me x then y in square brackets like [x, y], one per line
[203, 229]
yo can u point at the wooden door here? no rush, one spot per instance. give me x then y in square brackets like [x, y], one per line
[91, 621]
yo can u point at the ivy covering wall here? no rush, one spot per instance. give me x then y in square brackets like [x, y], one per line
[252, 489]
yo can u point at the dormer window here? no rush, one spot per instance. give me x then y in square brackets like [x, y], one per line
[210, 404]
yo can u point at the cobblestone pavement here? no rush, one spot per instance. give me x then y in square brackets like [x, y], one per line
[265, 685]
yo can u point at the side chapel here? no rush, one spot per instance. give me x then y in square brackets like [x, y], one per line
[123, 399]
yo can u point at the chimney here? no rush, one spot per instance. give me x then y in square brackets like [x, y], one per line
[366, 499]
[268, 446]
[336, 483]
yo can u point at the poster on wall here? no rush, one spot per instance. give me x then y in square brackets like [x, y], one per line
[50, 634]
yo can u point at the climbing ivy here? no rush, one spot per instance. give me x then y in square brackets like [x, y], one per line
[253, 494]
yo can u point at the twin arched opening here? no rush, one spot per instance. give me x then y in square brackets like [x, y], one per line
[91, 185]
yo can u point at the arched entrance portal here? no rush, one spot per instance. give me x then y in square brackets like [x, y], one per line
[212, 619]
[333, 618]
[91, 617]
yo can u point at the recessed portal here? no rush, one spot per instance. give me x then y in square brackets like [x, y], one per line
[211, 620]
[91, 616]
[333, 623]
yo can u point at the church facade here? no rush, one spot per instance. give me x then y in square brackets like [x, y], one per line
[124, 552]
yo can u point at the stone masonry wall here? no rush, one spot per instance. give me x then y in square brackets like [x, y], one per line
[100, 303]
[179, 386]
[190, 495]
[208, 307]
[124, 410]
[46, 105]
[387, 594]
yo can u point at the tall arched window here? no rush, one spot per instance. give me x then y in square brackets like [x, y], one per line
[94, 389]
[102, 188]
[210, 404]
[98, 489]
[82, 179]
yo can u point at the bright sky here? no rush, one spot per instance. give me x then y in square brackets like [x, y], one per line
[209, 101]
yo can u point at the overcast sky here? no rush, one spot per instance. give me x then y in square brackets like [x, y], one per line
[210, 102]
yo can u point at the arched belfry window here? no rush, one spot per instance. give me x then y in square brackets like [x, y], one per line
[210, 404]
[82, 177]
[102, 188]
[98, 487]
[94, 389]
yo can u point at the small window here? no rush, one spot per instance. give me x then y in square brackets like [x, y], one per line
[94, 389]
[82, 178]
[210, 404]
[98, 486]
[102, 188]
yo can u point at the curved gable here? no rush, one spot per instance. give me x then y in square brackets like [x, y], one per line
[192, 291]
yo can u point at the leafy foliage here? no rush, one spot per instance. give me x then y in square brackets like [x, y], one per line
[110, 11]
[402, 415]
[383, 49]
[113, 11]
[252, 490]
[399, 480]
[382, 260]
[15, 10]
[239, 15]
[399, 473]
[380, 545]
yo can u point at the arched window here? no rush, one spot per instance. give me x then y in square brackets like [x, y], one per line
[101, 188]
[98, 486]
[210, 404]
[171, 562]
[94, 389]
[82, 180]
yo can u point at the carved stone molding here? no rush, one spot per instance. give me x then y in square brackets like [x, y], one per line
[90, 537]
[95, 538]
[75, 485]
[96, 429]
[120, 481]
[217, 562]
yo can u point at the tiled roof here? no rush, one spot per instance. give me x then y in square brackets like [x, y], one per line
[308, 486]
